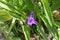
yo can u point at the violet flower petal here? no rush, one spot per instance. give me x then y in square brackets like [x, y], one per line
[32, 14]
[31, 19]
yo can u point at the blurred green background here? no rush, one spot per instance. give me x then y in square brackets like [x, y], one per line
[14, 16]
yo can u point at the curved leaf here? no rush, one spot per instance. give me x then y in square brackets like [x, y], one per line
[4, 15]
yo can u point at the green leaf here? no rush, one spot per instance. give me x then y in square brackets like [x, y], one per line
[47, 11]
[11, 7]
[56, 5]
[49, 18]
[4, 6]
[29, 5]
[12, 24]
[49, 0]
[26, 30]
[57, 24]
[53, 32]
[41, 31]
[4, 15]
[16, 38]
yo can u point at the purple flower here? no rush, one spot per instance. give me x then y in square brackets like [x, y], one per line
[31, 19]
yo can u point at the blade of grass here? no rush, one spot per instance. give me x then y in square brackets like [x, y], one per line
[40, 14]
[39, 29]
[49, 17]
[57, 24]
[15, 16]
[29, 5]
[26, 32]
[51, 30]
[12, 24]
[56, 5]
[12, 7]
[47, 11]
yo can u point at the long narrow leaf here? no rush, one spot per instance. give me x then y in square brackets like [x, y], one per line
[26, 31]
[39, 28]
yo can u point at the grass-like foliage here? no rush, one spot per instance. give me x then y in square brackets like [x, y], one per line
[22, 19]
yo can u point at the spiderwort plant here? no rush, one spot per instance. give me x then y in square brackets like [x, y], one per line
[31, 19]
